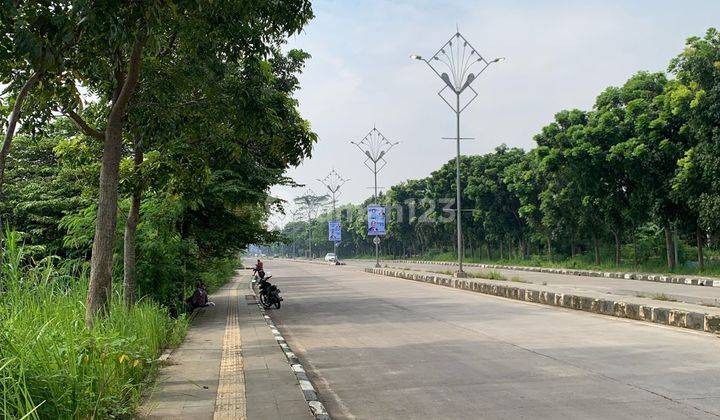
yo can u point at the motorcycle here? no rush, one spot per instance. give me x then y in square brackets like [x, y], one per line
[269, 294]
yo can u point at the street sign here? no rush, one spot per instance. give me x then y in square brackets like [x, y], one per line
[334, 231]
[376, 220]
[376, 240]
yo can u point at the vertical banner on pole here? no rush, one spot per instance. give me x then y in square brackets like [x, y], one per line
[376, 220]
[334, 231]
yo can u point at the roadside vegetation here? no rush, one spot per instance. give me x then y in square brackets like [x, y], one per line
[629, 184]
[51, 366]
[141, 142]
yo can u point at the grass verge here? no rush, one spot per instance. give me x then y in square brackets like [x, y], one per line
[51, 366]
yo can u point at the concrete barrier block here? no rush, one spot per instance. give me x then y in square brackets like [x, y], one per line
[586, 303]
[694, 320]
[558, 299]
[677, 318]
[550, 298]
[632, 310]
[618, 309]
[607, 307]
[712, 323]
[535, 296]
[660, 315]
[566, 301]
[576, 302]
[645, 313]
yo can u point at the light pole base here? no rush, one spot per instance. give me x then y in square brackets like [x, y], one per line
[460, 274]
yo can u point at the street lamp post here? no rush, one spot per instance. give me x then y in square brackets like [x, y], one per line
[375, 146]
[333, 181]
[459, 57]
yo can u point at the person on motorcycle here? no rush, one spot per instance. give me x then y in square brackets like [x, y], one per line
[259, 269]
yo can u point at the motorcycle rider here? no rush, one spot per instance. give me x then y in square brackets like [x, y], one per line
[259, 269]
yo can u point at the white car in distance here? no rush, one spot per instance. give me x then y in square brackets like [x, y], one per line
[330, 257]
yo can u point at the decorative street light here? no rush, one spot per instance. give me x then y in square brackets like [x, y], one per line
[333, 181]
[375, 146]
[453, 64]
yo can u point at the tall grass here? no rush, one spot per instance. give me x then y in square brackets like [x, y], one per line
[51, 366]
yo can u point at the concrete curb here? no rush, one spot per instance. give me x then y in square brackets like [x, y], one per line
[666, 316]
[316, 407]
[692, 281]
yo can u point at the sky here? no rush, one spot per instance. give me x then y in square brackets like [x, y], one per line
[559, 55]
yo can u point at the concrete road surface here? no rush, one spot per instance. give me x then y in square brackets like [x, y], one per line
[384, 348]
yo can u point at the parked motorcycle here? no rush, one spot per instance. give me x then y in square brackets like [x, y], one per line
[269, 294]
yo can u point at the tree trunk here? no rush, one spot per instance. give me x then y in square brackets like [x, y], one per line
[618, 248]
[102, 250]
[636, 258]
[699, 240]
[596, 248]
[12, 124]
[501, 250]
[669, 248]
[675, 246]
[129, 261]
[549, 248]
[100, 287]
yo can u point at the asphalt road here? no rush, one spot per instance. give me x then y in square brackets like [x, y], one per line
[380, 348]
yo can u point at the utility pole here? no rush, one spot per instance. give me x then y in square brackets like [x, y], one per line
[375, 146]
[459, 57]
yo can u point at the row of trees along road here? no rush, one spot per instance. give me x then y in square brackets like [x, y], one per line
[642, 165]
[176, 116]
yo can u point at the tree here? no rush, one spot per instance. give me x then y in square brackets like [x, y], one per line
[310, 205]
[117, 39]
[35, 36]
[695, 98]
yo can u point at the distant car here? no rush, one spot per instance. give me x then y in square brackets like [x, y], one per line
[330, 257]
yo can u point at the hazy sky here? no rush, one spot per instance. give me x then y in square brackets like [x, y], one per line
[560, 54]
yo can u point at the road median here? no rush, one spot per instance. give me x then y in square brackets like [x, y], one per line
[683, 315]
[660, 278]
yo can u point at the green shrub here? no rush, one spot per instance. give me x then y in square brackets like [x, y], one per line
[51, 366]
